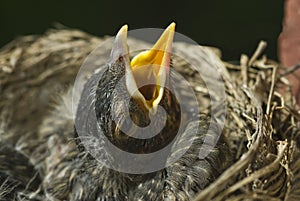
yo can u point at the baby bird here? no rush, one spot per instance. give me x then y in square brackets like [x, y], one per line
[128, 106]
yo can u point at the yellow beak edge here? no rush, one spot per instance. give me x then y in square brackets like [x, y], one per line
[151, 68]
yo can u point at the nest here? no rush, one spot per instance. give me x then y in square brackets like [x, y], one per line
[262, 122]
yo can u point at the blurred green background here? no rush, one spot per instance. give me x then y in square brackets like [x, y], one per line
[234, 26]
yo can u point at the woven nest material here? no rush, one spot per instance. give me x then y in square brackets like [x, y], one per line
[262, 122]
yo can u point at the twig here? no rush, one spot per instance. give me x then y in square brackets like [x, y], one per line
[244, 61]
[257, 174]
[271, 90]
[290, 70]
[253, 196]
[261, 47]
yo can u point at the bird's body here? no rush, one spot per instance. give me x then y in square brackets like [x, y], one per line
[74, 175]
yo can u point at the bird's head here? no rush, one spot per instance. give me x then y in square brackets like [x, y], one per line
[135, 106]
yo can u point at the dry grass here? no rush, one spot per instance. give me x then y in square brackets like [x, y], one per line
[262, 119]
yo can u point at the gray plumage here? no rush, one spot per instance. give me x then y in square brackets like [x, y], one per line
[64, 170]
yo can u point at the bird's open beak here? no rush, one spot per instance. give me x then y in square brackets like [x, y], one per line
[147, 73]
[150, 70]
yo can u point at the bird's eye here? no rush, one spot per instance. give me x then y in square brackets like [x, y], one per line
[120, 59]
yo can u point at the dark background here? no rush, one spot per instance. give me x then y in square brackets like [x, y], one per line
[235, 26]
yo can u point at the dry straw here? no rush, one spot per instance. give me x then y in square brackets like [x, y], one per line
[262, 119]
